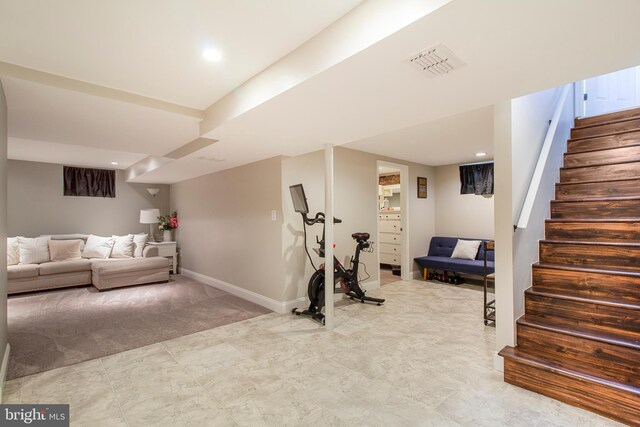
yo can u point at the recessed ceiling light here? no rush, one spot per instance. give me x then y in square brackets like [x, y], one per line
[481, 154]
[114, 163]
[212, 55]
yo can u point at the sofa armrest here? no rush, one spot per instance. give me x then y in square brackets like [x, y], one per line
[150, 251]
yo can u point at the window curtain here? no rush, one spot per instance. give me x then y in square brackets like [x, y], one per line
[476, 179]
[89, 182]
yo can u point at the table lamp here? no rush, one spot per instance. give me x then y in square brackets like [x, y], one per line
[150, 216]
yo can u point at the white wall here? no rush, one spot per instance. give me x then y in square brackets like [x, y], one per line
[35, 188]
[355, 202]
[520, 126]
[460, 215]
[3, 231]
[226, 232]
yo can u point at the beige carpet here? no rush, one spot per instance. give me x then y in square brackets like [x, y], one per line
[62, 327]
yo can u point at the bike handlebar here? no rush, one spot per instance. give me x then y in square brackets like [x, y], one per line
[319, 218]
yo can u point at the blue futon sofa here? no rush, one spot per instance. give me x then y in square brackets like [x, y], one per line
[439, 258]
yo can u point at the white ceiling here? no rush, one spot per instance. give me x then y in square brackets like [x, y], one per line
[371, 100]
[155, 48]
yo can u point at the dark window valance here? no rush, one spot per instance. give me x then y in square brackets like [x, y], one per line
[476, 179]
[89, 182]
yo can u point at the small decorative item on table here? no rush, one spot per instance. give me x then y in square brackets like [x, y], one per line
[168, 223]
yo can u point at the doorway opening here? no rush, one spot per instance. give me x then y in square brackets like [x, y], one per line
[610, 92]
[392, 213]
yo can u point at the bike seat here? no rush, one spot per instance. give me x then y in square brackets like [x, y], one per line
[361, 236]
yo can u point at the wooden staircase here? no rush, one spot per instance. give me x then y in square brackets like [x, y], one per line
[579, 340]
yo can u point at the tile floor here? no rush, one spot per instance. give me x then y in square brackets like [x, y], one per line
[422, 359]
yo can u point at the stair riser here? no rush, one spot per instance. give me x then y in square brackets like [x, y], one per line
[596, 209]
[616, 404]
[616, 115]
[612, 362]
[606, 287]
[593, 231]
[614, 155]
[626, 188]
[605, 128]
[590, 256]
[593, 173]
[596, 317]
[604, 142]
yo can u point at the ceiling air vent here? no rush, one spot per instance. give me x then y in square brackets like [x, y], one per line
[435, 61]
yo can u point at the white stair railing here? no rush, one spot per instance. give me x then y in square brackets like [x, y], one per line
[534, 185]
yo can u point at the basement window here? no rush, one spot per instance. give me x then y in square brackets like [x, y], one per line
[476, 178]
[89, 182]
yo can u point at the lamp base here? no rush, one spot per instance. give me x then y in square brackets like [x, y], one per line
[152, 236]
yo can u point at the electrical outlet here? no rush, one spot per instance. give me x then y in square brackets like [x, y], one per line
[273, 215]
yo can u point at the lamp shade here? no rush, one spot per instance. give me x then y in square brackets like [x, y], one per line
[149, 216]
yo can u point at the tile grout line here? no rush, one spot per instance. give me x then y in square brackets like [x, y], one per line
[115, 395]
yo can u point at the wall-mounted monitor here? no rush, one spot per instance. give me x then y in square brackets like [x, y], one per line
[299, 199]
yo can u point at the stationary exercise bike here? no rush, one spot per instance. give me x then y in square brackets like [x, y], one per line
[345, 280]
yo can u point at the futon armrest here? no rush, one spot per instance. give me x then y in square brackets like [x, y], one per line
[150, 251]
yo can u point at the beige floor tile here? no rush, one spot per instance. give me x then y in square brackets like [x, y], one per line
[424, 358]
[12, 391]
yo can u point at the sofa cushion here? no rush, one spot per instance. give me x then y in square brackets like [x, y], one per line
[122, 246]
[61, 267]
[13, 251]
[107, 267]
[64, 250]
[98, 247]
[139, 242]
[455, 265]
[22, 271]
[33, 250]
[466, 249]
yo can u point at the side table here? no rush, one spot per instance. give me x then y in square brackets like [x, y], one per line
[169, 250]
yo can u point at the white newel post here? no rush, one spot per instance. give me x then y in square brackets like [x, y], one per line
[328, 238]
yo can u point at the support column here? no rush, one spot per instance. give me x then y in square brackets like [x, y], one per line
[328, 237]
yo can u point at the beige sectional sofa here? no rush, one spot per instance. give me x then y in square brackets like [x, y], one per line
[102, 273]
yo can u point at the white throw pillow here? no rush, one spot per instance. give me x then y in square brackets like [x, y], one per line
[33, 251]
[139, 242]
[13, 251]
[65, 250]
[466, 249]
[98, 247]
[123, 246]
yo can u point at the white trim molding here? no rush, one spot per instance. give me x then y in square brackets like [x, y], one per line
[4, 369]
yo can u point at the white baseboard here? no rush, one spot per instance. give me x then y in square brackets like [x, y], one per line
[301, 303]
[271, 304]
[4, 369]
[498, 362]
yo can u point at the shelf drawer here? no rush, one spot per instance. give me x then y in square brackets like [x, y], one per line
[393, 238]
[389, 216]
[389, 226]
[390, 259]
[389, 248]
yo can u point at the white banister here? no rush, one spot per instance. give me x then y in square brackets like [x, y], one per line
[527, 206]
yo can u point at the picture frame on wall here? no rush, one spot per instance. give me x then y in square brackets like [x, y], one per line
[422, 187]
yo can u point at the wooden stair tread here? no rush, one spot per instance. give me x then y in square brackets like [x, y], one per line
[588, 243]
[593, 220]
[542, 363]
[613, 115]
[591, 165]
[576, 331]
[587, 270]
[598, 199]
[626, 306]
[620, 132]
[592, 150]
[608, 122]
[598, 182]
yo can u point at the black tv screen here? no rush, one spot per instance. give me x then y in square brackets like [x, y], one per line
[299, 199]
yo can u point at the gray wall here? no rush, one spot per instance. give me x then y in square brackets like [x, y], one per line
[460, 215]
[37, 206]
[226, 231]
[3, 226]
[355, 202]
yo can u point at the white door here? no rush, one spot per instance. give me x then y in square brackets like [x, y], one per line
[612, 92]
